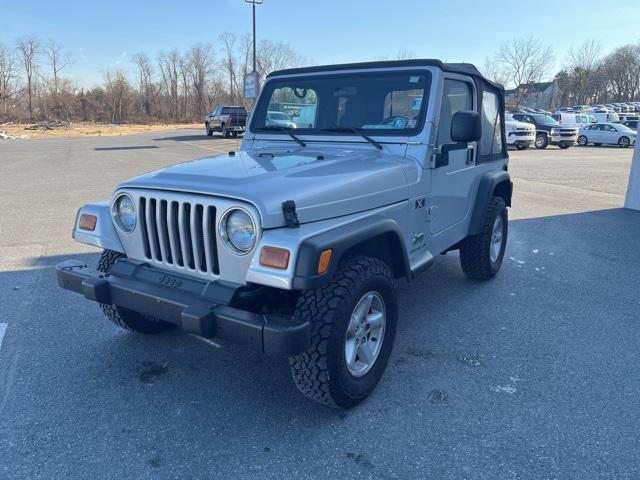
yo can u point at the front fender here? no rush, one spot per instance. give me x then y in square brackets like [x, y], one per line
[104, 235]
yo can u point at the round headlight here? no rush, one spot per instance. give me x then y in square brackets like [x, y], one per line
[238, 231]
[124, 213]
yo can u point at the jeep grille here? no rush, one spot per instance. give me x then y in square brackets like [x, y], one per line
[179, 233]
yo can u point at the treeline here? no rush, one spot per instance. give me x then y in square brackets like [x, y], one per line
[587, 74]
[172, 86]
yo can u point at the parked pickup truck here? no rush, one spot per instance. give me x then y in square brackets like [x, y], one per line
[227, 120]
[294, 245]
[519, 134]
[549, 131]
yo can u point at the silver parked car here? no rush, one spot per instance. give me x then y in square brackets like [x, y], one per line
[294, 245]
[607, 134]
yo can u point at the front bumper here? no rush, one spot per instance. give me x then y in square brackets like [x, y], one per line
[563, 139]
[196, 306]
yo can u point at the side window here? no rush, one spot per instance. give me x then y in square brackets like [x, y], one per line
[491, 141]
[456, 97]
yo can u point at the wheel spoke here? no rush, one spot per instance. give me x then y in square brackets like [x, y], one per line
[363, 307]
[351, 351]
[365, 354]
[375, 320]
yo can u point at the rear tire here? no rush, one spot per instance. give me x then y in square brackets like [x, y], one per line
[208, 130]
[349, 349]
[123, 317]
[480, 255]
[542, 141]
[583, 141]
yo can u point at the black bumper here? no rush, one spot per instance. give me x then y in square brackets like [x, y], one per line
[196, 306]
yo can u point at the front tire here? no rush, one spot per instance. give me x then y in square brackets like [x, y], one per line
[208, 130]
[353, 326]
[481, 255]
[542, 141]
[123, 317]
[583, 141]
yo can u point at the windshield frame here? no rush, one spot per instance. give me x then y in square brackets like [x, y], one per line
[265, 97]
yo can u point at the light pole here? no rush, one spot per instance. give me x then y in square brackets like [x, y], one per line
[253, 6]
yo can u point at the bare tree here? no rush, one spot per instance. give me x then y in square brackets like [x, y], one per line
[29, 52]
[200, 60]
[494, 71]
[58, 60]
[8, 75]
[169, 65]
[145, 81]
[524, 60]
[228, 41]
[583, 61]
[275, 56]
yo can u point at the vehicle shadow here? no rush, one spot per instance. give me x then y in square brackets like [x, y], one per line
[448, 327]
[192, 138]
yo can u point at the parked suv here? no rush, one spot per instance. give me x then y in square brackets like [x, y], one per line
[227, 120]
[549, 131]
[294, 245]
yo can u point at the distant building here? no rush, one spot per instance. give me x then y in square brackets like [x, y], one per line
[545, 95]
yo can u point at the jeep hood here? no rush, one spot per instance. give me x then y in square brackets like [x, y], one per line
[323, 184]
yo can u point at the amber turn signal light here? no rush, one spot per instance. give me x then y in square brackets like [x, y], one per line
[325, 260]
[87, 222]
[275, 257]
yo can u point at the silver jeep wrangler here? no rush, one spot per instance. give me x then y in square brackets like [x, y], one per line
[293, 245]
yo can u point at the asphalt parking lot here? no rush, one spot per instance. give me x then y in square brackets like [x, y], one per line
[532, 375]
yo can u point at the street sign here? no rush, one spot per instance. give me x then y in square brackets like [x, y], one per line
[251, 86]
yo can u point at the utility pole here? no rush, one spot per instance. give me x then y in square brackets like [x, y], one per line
[253, 6]
[251, 86]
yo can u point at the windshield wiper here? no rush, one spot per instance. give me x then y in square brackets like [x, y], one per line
[287, 130]
[355, 130]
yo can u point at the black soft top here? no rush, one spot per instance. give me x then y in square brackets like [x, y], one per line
[461, 68]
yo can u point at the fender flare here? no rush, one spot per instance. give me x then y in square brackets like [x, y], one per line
[488, 183]
[340, 240]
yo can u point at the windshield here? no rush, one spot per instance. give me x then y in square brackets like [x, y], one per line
[378, 103]
[540, 118]
[623, 128]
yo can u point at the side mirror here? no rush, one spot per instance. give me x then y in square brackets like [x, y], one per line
[466, 127]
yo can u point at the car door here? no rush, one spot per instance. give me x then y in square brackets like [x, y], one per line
[453, 172]
[215, 118]
[609, 135]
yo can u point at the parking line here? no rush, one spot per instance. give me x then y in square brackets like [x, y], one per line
[3, 329]
[207, 340]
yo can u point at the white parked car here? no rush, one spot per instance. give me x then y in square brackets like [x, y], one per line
[519, 134]
[607, 134]
[279, 119]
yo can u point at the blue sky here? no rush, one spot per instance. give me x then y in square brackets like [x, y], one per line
[103, 35]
